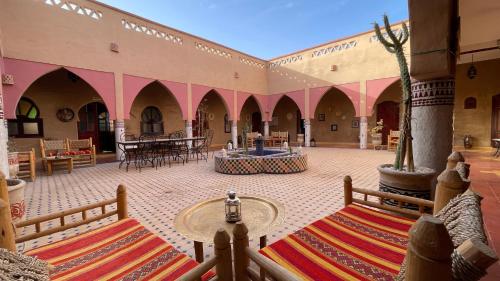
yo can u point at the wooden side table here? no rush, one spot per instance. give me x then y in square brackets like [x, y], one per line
[201, 221]
[52, 160]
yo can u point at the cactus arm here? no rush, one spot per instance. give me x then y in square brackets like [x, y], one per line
[406, 34]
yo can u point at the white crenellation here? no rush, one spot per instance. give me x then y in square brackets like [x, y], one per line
[286, 60]
[333, 49]
[151, 32]
[211, 50]
[75, 8]
[251, 62]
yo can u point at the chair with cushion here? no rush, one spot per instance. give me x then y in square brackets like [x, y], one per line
[392, 140]
[50, 148]
[82, 151]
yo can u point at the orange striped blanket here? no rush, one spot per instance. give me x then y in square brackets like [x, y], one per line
[123, 250]
[355, 243]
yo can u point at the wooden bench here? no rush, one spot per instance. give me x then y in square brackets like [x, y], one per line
[393, 140]
[82, 151]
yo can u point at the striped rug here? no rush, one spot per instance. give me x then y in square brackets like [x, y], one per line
[356, 243]
[123, 250]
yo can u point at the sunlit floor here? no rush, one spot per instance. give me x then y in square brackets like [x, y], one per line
[156, 196]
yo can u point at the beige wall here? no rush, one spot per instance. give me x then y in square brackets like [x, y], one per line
[155, 95]
[215, 107]
[476, 122]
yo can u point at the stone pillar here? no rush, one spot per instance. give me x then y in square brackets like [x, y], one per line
[307, 130]
[266, 128]
[234, 134]
[119, 136]
[189, 131]
[363, 132]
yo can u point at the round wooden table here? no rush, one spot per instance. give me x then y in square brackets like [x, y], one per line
[201, 221]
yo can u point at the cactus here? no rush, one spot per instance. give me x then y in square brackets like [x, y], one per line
[394, 45]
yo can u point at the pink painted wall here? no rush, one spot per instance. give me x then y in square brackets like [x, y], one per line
[297, 96]
[351, 90]
[261, 102]
[132, 86]
[374, 88]
[199, 91]
[27, 72]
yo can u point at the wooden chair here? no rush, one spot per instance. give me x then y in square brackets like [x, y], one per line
[392, 140]
[251, 138]
[27, 164]
[278, 138]
[82, 151]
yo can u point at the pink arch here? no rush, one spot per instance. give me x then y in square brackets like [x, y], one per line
[375, 88]
[297, 96]
[198, 92]
[243, 97]
[351, 90]
[132, 86]
[27, 72]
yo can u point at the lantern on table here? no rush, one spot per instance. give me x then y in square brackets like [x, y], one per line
[233, 207]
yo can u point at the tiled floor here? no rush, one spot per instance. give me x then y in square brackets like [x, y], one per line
[156, 196]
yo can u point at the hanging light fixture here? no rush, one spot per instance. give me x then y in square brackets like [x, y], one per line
[472, 71]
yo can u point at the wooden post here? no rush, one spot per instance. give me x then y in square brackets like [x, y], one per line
[7, 235]
[222, 250]
[450, 185]
[4, 191]
[477, 253]
[241, 259]
[347, 191]
[121, 202]
[428, 256]
[453, 159]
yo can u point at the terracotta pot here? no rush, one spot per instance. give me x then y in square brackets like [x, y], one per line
[377, 139]
[16, 198]
[13, 159]
[416, 184]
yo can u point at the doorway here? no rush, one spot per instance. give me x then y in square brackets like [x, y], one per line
[495, 118]
[389, 112]
[256, 122]
[94, 123]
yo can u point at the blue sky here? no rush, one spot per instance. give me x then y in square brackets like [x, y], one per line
[271, 28]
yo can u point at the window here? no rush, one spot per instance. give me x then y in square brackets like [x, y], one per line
[151, 121]
[28, 123]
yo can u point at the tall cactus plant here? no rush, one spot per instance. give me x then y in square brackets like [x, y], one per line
[394, 45]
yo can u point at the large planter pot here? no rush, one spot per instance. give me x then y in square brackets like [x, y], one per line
[13, 159]
[416, 184]
[377, 139]
[16, 198]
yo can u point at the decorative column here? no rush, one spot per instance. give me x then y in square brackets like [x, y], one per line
[266, 128]
[307, 131]
[433, 64]
[189, 131]
[4, 136]
[363, 132]
[119, 136]
[234, 133]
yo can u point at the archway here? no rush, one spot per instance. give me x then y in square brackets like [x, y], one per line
[387, 107]
[142, 118]
[212, 114]
[287, 117]
[94, 122]
[55, 91]
[335, 120]
[250, 116]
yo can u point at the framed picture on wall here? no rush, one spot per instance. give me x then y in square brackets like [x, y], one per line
[321, 117]
[355, 123]
[227, 124]
[333, 127]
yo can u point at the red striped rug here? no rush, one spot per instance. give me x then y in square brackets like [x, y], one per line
[124, 250]
[355, 243]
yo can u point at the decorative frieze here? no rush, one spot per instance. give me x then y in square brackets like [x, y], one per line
[75, 8]
[150, 31]
[211, 50]
[7, 79]
[433, 92]
[286, 60]
[333, 49]
[251, 62]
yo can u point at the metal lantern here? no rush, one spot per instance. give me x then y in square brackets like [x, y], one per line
[233, 207]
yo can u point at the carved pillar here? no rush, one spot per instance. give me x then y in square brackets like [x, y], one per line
[189, 131]
[363, 132]
[307, 135]
[119, 136]
[234, 134]
[266, 128]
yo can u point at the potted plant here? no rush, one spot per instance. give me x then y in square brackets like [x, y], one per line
[376, 132]
[399, 178]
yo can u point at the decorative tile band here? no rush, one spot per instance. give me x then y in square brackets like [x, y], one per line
[286, 164]
[251, 62]
[211, 50]
[433, 92]
[75, 8]
[336, 48]
[151, 32]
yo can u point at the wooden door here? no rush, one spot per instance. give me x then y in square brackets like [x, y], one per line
[256, 122]
[94, 123]
[389, 112]
[495, 118]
